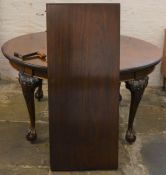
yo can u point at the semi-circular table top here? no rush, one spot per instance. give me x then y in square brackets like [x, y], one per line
[137, 57]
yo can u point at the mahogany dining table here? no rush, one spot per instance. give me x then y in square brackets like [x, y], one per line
[138, 59]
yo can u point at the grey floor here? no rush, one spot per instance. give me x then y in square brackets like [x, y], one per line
[147, 156]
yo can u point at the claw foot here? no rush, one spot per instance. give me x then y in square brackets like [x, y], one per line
[130, 136]
[31, 135]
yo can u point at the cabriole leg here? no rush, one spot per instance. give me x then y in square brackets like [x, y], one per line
[136, 87]
[29, 84]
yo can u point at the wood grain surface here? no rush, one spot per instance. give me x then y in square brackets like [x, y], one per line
[137, 57]
[83, 47]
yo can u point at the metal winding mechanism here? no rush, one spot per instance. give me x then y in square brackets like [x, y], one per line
[30, 56]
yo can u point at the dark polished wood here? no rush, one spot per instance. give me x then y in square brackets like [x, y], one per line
[83, 49]
[29, 84]
[138, 58]
[136, 87]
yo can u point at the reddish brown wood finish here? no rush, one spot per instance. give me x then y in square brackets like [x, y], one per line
[83, 80]
[137, 57]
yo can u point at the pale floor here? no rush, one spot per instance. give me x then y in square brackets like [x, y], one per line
[147, 156]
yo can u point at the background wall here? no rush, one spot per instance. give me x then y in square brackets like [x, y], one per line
[145, 19]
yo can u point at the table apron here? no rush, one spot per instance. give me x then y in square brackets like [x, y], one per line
[136, 74]
[124, 75]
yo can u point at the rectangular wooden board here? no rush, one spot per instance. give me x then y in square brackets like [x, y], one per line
[83, 47]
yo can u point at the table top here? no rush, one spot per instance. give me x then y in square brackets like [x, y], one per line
[135, 54]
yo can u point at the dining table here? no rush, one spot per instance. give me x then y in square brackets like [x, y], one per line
[138, 59]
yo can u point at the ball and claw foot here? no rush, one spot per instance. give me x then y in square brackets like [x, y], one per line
[130, 136]
[31, 135]
[39, 94]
